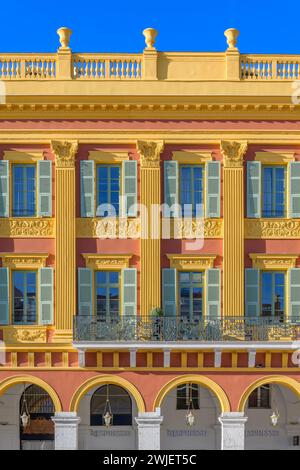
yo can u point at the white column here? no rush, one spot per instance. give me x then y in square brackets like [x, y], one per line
[66, 430]
[232, 431]
[149, 430]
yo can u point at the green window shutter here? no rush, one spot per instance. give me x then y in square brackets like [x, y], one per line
[85, 291]
[252, 279]
[44, 188]
[171, 184]
[213, 177]
[294, 189]
[294, 278]
[129, 177]
[46, 296]
[213, 293]
[4, 296]
[129, 293]
[87, 188]
[169, 292]
[253, 189]
[4, 188]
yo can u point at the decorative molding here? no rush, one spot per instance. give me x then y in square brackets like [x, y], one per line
[185, 157]
[233, 153]
[14, 335]
[109, 262]
[108, 157]
[191, 262]
[24, 260]
[150, 153]
[273, 157]
[193, 228]
[108, 228]
[272, 228]
[65, 152]
[27, 228]
[274, 261]
[17, 156]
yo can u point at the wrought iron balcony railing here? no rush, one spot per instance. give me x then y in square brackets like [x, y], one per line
[139, 328]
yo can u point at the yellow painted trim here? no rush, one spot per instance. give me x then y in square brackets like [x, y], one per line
[108, 157]
[273, 261]
[30, 379]
[273, 158]
[191, 262]
[16, 156]
[105, 380]
[191, 158]
[106, 262]
[290, 383]
[24, 260]
[198, 379]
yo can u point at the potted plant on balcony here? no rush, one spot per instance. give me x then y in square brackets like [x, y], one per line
[157, 323]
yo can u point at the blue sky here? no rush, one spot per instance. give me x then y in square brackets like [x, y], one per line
[116, 26]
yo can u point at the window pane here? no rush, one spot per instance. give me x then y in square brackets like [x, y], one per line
[24, 190]
[24, 297]
[273, 191]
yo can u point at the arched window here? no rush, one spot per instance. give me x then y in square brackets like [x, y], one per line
[40, 407]
[118, 401]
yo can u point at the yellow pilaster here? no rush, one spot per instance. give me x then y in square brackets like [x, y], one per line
[150, 218]
[65, 293]
[233, 249]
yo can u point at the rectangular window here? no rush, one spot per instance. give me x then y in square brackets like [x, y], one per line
[272, 294]
[191, 295]
[24, 297]
[24, 191]
[107, 288]
[108, 190]
[191, 190]
[187, 397]
[260, 398]
[273, 191]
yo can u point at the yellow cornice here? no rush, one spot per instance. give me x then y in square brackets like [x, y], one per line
[188, 157]
[274, 261]
[24, 260]
[17, 156]
[275, 157]
[108, 157]
[106, 262]
[159, 110]
[191, 262]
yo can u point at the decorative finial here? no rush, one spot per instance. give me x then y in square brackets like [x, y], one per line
[64, 37]
[150, 36]
[231, 36]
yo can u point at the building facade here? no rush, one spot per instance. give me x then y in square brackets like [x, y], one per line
[150, 250]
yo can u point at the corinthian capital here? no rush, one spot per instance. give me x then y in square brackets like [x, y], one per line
[64, 152]
[233, 153]
[150, 152]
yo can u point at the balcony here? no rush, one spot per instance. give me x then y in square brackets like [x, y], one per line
[158, 330]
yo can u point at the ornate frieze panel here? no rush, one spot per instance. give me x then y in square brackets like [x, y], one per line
[273, 261]
[24, 260]
[272, 228]
[108, 228]
[96, 261]
[24, 335]
[193, 228]
[190, 262]
[27, 228]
